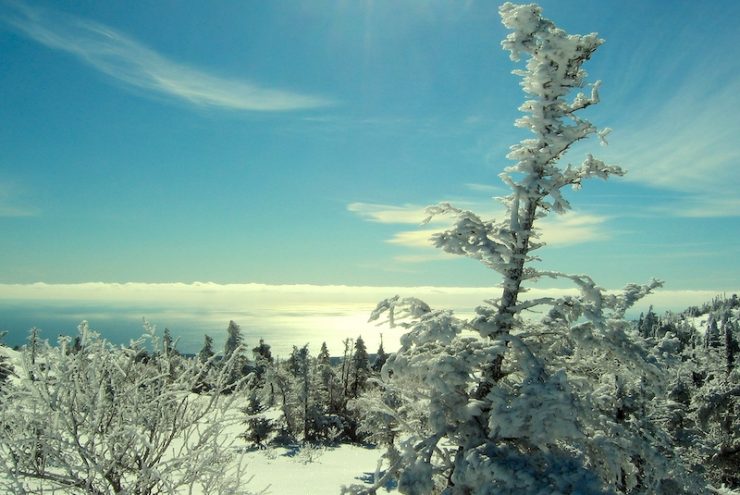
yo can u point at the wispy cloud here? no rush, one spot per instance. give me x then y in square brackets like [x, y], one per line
[487, 188]
[422, 258]
[414, 238]
[682, 134]
[573, 228]
[560, 230]
[702, 206]
[381, 213]
[135, 65]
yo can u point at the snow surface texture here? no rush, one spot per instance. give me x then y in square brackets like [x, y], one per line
[312, 470]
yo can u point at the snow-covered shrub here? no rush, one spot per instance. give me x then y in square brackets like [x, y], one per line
[101, 420]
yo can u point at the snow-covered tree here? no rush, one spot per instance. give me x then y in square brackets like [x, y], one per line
[6, 369]
[101, 421]
[206, 352]
[647, 323]
[234, 351]
[259, 427]
[299, 364]
[328, 383]
[520, 406]
[380, 357]
[712, 337]
[233, 339]
[34, 341]
[360, 368]
[206, 358]
[262, 357]
[347, 360]
[729, 330]
[168, 343]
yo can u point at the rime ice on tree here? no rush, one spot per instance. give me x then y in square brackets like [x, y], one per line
[496, 412]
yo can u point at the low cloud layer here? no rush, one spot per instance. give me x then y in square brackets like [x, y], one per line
[284, 315]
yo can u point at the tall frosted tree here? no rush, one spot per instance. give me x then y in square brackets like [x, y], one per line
[360, 367]
[495, 410]
[328, 383]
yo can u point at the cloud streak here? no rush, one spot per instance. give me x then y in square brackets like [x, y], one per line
[137, 66]
[681, 134]
[560, 230]
[702, 206]
[380, 213]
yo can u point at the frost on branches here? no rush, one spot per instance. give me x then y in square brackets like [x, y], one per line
[92, 418]
[495, 404]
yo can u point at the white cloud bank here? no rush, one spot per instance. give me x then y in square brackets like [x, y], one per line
[130, 62]
[284, 315]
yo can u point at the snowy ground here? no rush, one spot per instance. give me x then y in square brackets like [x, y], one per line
[312, 471]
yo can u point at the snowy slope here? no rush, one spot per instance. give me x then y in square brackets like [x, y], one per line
[313, 471]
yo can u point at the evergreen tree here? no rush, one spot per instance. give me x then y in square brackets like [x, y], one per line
[262, 356]
[731, 345]
[259, 428]
[233, 339]
[299, 365]
[5, 367]
[33, 343]
[205, 360]
[327, 379]
[380, 357]
[712, 337]
[280, 382]
[263, 361]
[293, 363]
[233, 351]
[206, 352]
[360, 368]
[5, 371]
[262, 352]
[347, 360]
[648, 324]
[168, 344]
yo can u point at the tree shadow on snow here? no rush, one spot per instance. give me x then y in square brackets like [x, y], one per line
[368, 478]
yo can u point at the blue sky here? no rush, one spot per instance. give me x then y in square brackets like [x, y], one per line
[297, 142]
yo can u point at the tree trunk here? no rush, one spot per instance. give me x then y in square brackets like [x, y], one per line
[513, 276]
